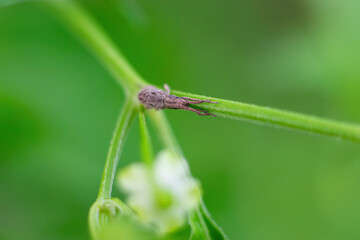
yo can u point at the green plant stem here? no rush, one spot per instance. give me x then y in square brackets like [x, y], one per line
[86, 29]
[147, 154]
[276, 117]
[91, 34]
[165, 132]
[127, 115]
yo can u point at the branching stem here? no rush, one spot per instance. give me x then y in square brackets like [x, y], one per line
[91, 34]
[83, 26]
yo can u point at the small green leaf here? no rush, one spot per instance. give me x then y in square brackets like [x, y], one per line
[199, 230]
[203, 227]
[215, 231]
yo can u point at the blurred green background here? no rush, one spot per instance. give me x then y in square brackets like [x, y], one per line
[58, 108]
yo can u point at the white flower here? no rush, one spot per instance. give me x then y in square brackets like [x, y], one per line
[161, 194]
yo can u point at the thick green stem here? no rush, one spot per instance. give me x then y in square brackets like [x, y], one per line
[117, 142]
[276, 117]
[86, 29]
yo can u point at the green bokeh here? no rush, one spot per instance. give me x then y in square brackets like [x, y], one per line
[58, 108]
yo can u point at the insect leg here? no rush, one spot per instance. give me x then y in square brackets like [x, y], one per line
[167, 88]
[200, 112]
[192, 99]
[197, 101]
[201, 101]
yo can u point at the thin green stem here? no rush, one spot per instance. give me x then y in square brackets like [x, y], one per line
[127, 115]
[165, 132]
[276, 117]
[91, 34]
[147, 154]
[202, 225]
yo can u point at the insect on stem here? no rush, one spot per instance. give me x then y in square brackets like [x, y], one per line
[152, 97]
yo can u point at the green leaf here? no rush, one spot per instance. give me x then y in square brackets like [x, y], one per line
[199, 230]
[203, 227]
[215, 231]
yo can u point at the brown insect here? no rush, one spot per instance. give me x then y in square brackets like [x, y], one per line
[152, 97]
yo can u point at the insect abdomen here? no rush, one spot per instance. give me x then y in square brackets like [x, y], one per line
[174, 102]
